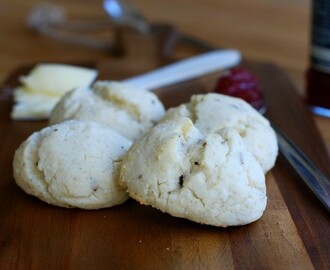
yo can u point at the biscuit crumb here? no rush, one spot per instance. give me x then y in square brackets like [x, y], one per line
[181, 179]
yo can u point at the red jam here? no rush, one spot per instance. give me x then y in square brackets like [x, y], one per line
[243, 84]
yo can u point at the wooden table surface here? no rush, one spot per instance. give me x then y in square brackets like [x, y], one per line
[275, 31]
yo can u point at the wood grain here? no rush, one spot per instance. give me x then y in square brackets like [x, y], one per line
[292, 234]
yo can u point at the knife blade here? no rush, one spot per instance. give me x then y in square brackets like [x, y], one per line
[307, 170]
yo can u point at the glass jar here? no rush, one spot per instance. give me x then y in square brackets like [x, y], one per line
[318, 75]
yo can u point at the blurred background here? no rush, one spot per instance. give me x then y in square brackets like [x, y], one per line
[263, 30]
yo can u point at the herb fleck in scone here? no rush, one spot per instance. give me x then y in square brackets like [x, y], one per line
[213, 112]
[211, 179]
[72, 164]
[128, 110]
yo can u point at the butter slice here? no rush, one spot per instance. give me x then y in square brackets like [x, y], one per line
[44, 86]
[32, 105]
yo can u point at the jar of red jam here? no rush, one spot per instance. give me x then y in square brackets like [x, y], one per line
[318, 75]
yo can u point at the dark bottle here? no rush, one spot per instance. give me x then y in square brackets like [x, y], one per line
[318, 75]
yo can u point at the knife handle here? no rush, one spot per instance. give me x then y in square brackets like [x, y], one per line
[307, 170]
[186, 69]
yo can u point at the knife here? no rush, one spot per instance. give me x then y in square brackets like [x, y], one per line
[306, 169]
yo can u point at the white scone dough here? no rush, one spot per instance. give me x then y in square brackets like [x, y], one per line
[212, 112]
[210, 179]
[72, 164]
[129, 111]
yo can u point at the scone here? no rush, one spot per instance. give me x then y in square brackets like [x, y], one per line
[210, 179]
[212, 112]
[72, 164]
[129, 111]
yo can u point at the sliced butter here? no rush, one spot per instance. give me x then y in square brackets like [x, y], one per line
[32, 105]
[44, 86]
[57, 79]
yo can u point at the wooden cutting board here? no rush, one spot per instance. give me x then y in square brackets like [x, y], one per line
[294, 232]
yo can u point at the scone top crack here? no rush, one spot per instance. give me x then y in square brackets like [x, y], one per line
[141, 104]
[212, 112]
[211, 179]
